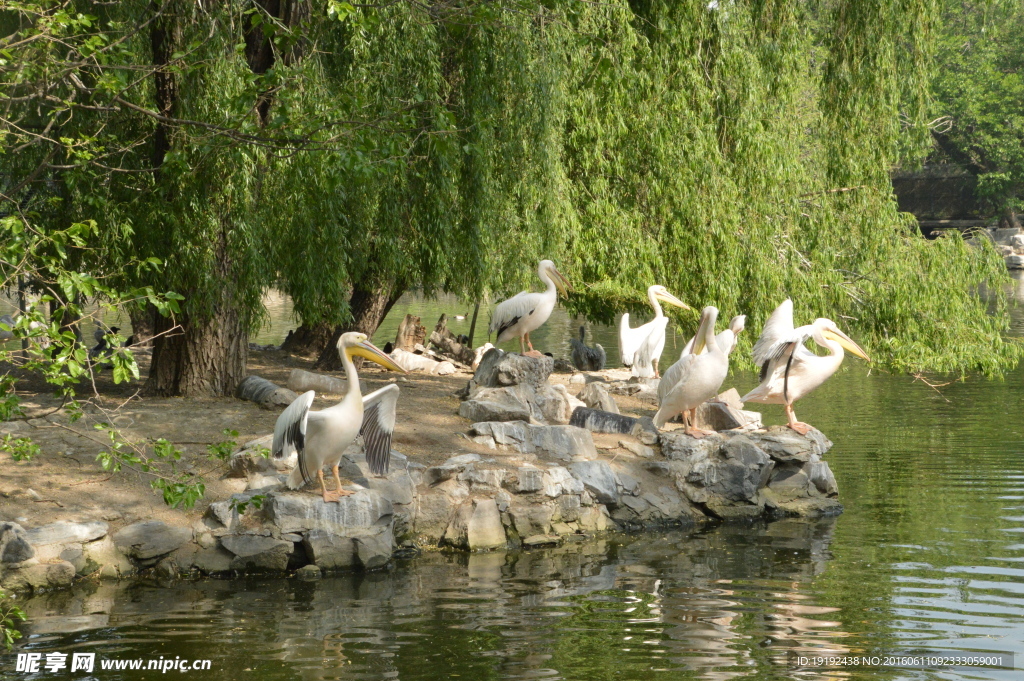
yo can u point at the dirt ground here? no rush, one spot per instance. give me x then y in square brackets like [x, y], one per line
[65, 482]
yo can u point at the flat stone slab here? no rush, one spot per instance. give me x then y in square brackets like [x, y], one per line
[64, 532]
[599, 479]
[364, 512]
[150, 539]
[560, 442]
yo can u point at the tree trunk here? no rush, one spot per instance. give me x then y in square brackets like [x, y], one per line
[308, 339]
[1009, 219]
[203, 357]
[369, 308]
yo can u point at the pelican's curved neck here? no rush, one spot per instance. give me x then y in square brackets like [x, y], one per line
[834, 348]
[655, 304]
[549, 283]
[351, 377]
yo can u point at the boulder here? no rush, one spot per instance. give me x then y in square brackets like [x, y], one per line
[717, 415]
[598, 479]
[785, 444]
[39, 576]
[596, 396]
[725, 473]
[214, 560]
[103, 558]
[476, 526]
[150, 539]
[511, 382]
[64, 532]
[530, 479]
[329, 551]
[565, 443]
[558, 481]
[249, 461]
[374, 552]
[14, 547]
[641, 450]
[255, 552]
[364, 512]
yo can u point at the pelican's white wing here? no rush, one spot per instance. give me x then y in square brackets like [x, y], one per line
[379, 409]
[778, 329]
[510, 312]
[290, 431]
[669, 398]
[650, 347]
[630, 340]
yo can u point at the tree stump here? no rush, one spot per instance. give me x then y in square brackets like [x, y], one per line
[410, 332]
[449, 345]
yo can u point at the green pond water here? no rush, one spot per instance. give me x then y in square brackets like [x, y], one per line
[928, 558]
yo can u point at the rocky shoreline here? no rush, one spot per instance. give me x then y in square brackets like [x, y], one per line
[547, 480]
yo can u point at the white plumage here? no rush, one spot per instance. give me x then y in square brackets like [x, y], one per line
[788, 369]
[700, 376]
[321, 437]
[726, 340]
[527, 311]
[641, 348]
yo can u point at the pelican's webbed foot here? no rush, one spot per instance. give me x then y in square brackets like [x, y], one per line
[800, 427]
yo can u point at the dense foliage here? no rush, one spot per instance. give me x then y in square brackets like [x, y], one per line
[736, 152]
[979, 98]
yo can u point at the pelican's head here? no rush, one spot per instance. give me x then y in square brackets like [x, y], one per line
[548, 268]
[355, 344]
[738, 323]
[829, 331]
[661, 293]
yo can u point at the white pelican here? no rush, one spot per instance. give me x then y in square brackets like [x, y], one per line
[641, 347]
[788, 369]
[586, 358]
[726, 340]
[527, 311]
[321, 437]
[700, 376]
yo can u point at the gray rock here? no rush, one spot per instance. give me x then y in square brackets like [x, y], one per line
[628, 483]
[330, 551]
[598, 479]
[463, 460]
[503, 500]
[635, 504]
[364, 512]
[438, 474]
[558, 481]
[308, 573]
[678, 446]
[103, 558]
[569, 505]
[40, 576]
[537, 540]
[374, 552]
[532, 519]
[74, 554]
[14, 547]
[212, 561]
[596, 396]
[530, 479]
[64, 532]
[485, 479]
[598, 421]
[501, 406]
[717, 415]
[513, 381]
[253, 552]
[565, 443]
[785, 444]
[150, 539]
[476, 526]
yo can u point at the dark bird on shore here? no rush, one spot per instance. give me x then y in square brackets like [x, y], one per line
[103, 349]
[586, 358]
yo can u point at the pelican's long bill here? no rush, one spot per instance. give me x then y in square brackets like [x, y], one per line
[667, 297]
[369, 351]
[698, 338]
[847, 343]
[561, 283]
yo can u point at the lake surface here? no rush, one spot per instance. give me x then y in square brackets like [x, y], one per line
[928, 558]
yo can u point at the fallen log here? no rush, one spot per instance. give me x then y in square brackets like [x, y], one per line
[448, 344]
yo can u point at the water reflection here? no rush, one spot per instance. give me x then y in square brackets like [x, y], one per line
[716, 604]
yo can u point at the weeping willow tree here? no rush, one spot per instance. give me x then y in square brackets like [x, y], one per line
[736, 152]
[739, 153]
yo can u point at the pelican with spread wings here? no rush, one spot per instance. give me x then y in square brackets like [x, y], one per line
[641, 348]
[321, 437]
[527, 311]
[788, 369]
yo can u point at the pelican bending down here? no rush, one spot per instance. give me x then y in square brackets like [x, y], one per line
[321, 437]
[700, 376]
[586, 358]
[726, 340]
[788, 369]
[641, 348]
[527, 311]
